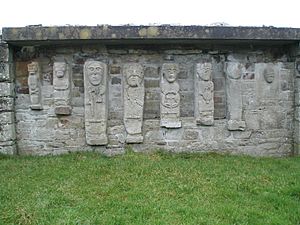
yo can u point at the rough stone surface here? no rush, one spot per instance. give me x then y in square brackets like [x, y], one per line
[95, 85]
[134, 93]
[204, 94]
[34, 85]
[259, 101]
[234, 71]
[170, 98]
[62, 87]
[40, 33]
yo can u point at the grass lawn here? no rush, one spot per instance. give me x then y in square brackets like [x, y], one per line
[157, 188]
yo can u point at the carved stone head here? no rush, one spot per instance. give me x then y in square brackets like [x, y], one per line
[59, 69]
[170, 71]
[234, 70]
[269, 74]
[95, 72]
[204, 70]
[134, 74]
[33, 68]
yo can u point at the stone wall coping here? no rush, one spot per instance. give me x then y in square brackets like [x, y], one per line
[161, 32]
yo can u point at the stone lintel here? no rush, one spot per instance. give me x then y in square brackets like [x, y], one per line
[162, 32]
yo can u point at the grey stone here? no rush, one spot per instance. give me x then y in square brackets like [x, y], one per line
[7, 117]
[7, 132]
[151, 72]
[34, 84]
[4, 52]
[62, 87]
[6, 89]
[95, 102]
[4, 71]
[204, 94]
[6, 104]
[234, 71]
[170, 98]
[8, 150]
[134, 94]
[190, 135]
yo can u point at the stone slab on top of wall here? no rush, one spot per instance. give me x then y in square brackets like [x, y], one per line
[233, 89]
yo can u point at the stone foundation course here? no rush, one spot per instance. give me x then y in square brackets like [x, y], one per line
[176, 88]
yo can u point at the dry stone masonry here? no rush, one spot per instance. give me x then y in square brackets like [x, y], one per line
[177, 88]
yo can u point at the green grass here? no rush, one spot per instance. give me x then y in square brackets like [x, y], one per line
[157, 188]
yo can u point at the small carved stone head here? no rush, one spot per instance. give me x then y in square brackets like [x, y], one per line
[59, 69]
[269, 74]
[203, 71]
[234, 70]
[95, 72]
[170, 71]
[134, 74]
[33, 68]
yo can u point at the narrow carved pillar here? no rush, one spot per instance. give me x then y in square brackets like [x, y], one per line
[233, 71]
[170, 98]
[7, 103]
[204, 94]
[34, 84]
[95, 102]
[62, 87]
[134, 93]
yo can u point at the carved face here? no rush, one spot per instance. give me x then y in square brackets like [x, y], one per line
[32, 68]
[269, 74]
[59, 69]
[95, 73]
[234, 70]
[32, 81]
[170, 72]
[204, 71]
[134, 75]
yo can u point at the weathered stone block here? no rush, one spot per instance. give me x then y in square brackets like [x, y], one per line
[34, 84]
[8, 149]
[6, 104]
[190, 135]
[62, 88]
[4, 71]
[151, 72]
[7, 132]
[115, 69]
[116, 80]
[95, 102]
[6, 89]
[7, 117]
[4, 52]
[134, 92]
[151, 83]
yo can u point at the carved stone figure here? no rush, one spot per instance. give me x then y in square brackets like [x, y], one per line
[34, 85]
[133, 101]
[204, 94]
[234, 71]
[269, 74]
[61, 83]
[170, 98]
[95, 102]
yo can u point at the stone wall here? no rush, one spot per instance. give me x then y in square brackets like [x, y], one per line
[7, 102]
[237, 99]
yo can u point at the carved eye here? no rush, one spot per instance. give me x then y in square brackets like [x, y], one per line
[91, 69]
[98, 69]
